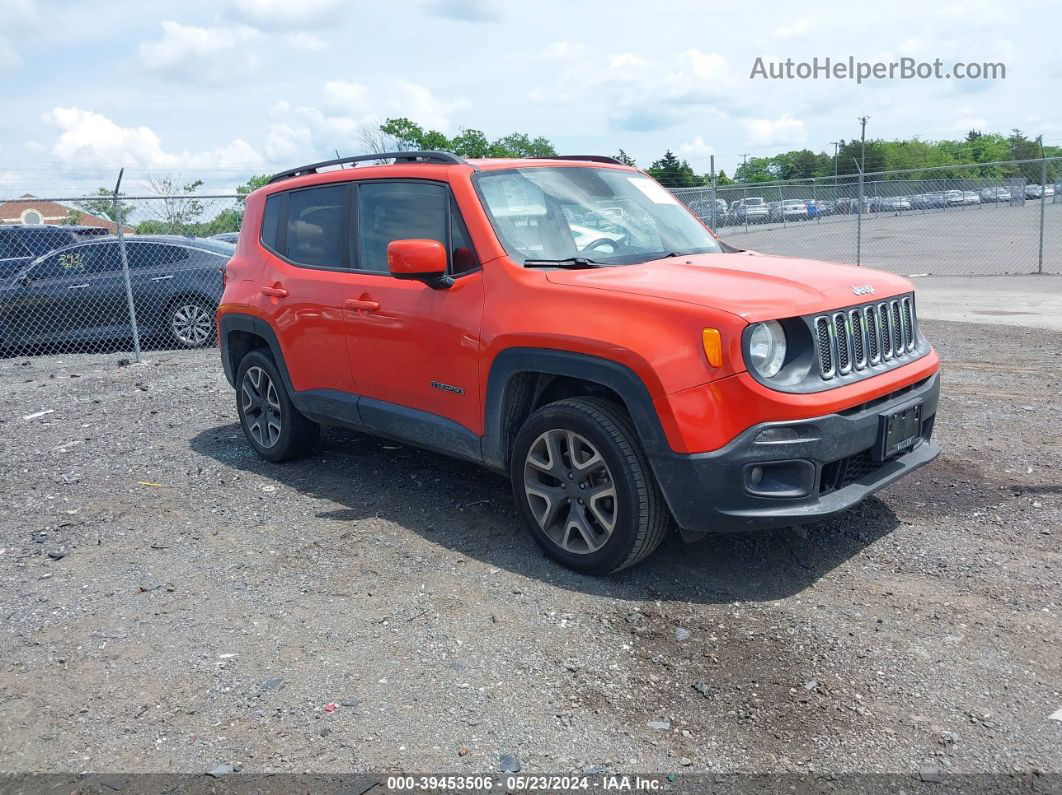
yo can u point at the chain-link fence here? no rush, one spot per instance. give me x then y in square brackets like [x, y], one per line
[87, 280]
[992, 218]
[97, 273]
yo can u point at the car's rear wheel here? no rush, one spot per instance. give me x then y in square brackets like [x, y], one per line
[274, 427]
[191, 322]
[584, 488]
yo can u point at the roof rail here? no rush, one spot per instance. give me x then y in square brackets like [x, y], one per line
[591, 158]
[407, 157]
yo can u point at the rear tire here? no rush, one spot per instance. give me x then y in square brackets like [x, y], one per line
[190, 322]
[275, 428]
[584, 488]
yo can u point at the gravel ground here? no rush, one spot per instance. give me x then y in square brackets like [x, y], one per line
[172, 603]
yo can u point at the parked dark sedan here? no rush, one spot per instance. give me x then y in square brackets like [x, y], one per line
[77, 294]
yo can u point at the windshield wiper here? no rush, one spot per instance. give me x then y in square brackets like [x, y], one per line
[572, 263]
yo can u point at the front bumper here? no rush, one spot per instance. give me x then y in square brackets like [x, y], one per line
[826, 470]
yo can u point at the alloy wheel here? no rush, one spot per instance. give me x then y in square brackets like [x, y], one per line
[261, 406]
[191, 324]
[570, 491]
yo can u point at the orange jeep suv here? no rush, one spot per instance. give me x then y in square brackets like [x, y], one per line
[567, 322]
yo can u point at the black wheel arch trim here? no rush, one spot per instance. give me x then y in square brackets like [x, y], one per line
[613, 375]
[232, 321]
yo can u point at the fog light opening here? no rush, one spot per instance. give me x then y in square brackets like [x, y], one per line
[793, 478]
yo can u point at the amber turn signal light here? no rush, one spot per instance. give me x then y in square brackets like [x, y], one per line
[713, 346]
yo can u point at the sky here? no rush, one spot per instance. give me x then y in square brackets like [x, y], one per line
[221, 89]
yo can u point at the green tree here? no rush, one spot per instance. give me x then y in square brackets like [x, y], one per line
[101, 205]
[626, 159]
[177, 208]
[469, 142]
[671, 172]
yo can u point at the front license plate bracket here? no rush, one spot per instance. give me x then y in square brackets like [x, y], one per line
[899, 431]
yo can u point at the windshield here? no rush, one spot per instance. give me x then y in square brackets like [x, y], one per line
[605, 215]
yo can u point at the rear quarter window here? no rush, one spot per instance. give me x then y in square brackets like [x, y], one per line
[274, 209]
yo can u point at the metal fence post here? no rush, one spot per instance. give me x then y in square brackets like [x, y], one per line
[859, 221]
[715, 202]
[1043, 199]
[125, 268]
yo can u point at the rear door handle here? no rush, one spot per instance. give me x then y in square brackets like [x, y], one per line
[276, 291]
[161, 278]
[76, 286]
[365, 304]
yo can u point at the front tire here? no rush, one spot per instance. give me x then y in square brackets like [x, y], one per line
[275, 428]
[584, 488]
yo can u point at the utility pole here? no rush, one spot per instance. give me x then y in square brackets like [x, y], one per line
[744, 165]
[836, 144]
[863, 143]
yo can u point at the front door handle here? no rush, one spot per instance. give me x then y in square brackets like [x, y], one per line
[76, 286]
[161, 278]
[276, 291]
[365, 304]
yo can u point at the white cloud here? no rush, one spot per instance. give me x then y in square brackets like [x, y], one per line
[392, 97]
[305, 41]
[291, 14]
[794, 30]
[191, 52]
[9, 56]
[346, 109]
[463, 10]
[89, 137]
[561, 50]
[640, 93]
[696, 149]
[19, 16]
[783, 131]
[705, 65]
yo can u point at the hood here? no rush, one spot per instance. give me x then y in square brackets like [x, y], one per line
[753, 286]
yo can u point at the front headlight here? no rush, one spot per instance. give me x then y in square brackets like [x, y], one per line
[767, 348]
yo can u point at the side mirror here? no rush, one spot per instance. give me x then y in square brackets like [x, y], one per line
[24, 280]
[420, 260]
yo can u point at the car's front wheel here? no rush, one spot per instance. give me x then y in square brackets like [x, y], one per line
[275, 428]
[584, 488]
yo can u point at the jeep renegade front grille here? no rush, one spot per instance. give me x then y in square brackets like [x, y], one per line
[858, 339]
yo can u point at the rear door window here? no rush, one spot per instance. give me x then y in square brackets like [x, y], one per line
[154, 255]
